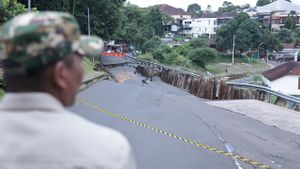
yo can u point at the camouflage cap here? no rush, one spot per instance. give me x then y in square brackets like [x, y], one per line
[90, 46]
[33, 40]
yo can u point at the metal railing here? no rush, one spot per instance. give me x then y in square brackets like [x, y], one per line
[267, 90]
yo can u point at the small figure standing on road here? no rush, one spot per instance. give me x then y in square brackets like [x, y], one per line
[42, 74]
[145, 82]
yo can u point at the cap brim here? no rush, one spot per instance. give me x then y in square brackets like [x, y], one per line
[90, 46]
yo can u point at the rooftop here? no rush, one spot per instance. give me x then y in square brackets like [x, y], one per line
[170, 10]
[279, 6]
[289, 68]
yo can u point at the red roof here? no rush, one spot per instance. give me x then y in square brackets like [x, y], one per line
[170, 10]
[289, 68]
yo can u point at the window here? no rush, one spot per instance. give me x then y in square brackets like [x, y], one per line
[298, 82]
[208, 22]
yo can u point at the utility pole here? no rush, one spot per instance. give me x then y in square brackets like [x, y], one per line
[74, 6]
[89, 26]
[233, 48]
[29, 5]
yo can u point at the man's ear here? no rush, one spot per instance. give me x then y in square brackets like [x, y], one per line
[60, 75]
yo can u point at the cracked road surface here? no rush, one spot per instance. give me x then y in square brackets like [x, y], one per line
[176, 111]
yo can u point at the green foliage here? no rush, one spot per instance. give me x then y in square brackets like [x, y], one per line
[88, 65]
[297, 32]
[147, 57]
[10, 8]
[137, 25]
[246, 31]
[199, 43]
[201, 56]
[291, 21]
[169, 56]
[227, 7]
[271, 42]
[194, 9]
[247, 35]
[184, 49]
[154, 18]
[285, 36]
[257, 78]
[262, 2]
[151, 44]
[181, 60]
[104, 14]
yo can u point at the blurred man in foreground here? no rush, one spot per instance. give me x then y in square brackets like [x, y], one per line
[42, 74]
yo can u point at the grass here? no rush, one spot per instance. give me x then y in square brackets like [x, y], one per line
[2, 92]
[219, 65]
[88, 65]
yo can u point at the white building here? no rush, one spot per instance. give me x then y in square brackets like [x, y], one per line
[200, 26]
[284, 78]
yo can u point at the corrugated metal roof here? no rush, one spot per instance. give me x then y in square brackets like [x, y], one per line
[279, 5]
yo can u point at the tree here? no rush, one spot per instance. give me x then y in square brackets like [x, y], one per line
[194, 9]
[291, 21]
[155, 21]
[151, 44]
[247, 35]
[201, 56]
[225, 34]
[271, 42]
[227, 7]
[10, 8]
[262, 2]
[104, 14]
[297, 32]
[50, 5]
[285, 36]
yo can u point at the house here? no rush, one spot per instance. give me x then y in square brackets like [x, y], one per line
[284, 78]
[178, 14]
[206, 25]
[225, 17]
[280, 10]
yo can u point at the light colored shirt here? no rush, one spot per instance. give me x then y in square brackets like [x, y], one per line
[37, 132]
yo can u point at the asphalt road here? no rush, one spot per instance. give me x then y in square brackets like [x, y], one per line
[176, 111]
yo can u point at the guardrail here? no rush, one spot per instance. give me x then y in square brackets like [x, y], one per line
[267, 90]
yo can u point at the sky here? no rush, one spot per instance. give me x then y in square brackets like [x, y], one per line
[203, 3]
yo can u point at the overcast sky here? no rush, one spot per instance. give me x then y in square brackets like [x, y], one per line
[203, 3]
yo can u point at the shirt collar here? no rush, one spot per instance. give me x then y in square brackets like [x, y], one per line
[30, 101]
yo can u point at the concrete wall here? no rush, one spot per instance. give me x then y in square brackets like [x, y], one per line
[287, 85]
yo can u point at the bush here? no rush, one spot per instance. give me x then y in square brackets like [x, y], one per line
[151, 44]
[184, 49]
[181, 60]
[147, 56]
[285, 36]
[201, 56]
[162, 54]
[199, 43]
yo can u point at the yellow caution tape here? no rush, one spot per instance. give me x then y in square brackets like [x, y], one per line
[232, 155]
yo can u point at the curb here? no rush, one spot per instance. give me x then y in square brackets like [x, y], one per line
[87, 83]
